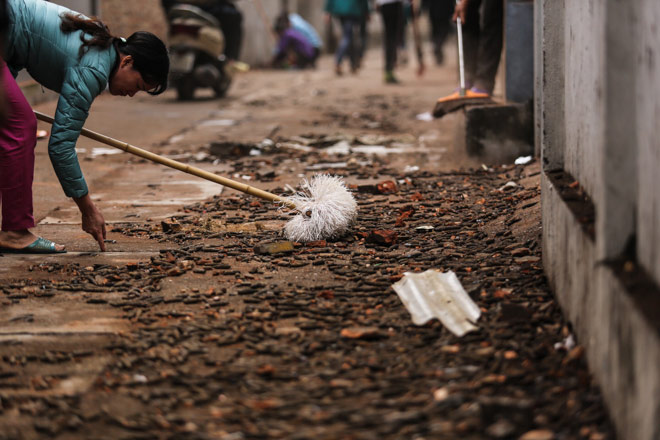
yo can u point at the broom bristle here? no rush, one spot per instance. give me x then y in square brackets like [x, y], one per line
[327, 210]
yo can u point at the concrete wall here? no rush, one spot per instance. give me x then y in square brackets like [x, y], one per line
[597, 95]
[584, 87]
[646, 50]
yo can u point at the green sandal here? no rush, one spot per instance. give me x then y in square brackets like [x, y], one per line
[39, 246]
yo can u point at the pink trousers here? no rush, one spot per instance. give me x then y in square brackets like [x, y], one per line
[18, 137]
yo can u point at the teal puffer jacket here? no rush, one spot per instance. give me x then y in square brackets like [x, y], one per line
[36, 43]
[347, 8]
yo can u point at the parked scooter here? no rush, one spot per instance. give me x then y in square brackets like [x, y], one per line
[196, 52]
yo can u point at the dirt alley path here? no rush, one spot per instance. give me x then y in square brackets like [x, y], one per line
[190, 328]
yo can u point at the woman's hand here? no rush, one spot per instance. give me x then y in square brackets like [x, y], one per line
[92, 220]
[459, 11]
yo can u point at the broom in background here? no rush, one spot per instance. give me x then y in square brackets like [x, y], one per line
[463, 96]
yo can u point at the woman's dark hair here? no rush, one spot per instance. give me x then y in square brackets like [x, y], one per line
[147, 50]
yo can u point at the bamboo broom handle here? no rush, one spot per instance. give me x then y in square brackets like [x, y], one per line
[247, 189]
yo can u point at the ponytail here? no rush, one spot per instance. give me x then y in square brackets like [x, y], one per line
[99, 32]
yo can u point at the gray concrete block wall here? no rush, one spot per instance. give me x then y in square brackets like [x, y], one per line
[598, 110]
[622, 348]
[630, 366]
[647, 97]
[584, 88]
[550, 82]
[618, 166]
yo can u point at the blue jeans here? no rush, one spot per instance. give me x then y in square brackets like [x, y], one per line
[347, 44]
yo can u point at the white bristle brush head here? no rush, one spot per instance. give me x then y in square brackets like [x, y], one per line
[326, 210]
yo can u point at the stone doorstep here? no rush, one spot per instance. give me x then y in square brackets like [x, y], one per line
[498, 133]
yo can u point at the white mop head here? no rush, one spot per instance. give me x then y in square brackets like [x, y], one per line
[327, 210]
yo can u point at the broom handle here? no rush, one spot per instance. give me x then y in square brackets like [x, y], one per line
[461, 62]
[177, 165]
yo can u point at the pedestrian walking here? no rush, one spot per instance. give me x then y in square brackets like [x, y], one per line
[77, 57]
[392, 13]
[439, 13]
[363, 32]
[349, 13]
[402, 45]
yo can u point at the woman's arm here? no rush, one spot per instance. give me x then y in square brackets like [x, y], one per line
[81, 86]
[460, 10]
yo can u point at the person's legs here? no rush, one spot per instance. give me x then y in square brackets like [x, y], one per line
[346, 41]
[231, 21]
[490, 45]
[391, 13]
[362, 44]
[17, 142]
[471, 38]
[440, 12]
[354, 44]
[402, 24]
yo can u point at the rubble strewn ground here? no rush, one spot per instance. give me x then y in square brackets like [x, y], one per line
[228, 331]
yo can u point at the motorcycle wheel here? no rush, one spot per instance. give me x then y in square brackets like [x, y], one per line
[185, 88]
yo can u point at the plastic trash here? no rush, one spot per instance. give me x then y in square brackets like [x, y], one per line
[508, 186]
[567, 344]
[96, 152]
[218, 123]
[434, 294]
[522, 160]
[427, 116]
